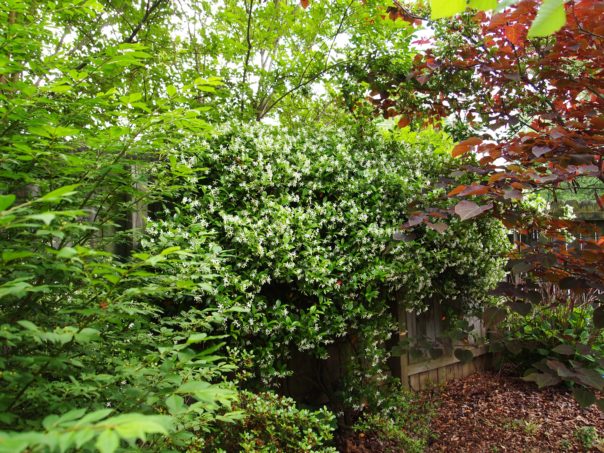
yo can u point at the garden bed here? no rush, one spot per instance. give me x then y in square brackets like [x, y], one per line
[486, 412]
[489, 413]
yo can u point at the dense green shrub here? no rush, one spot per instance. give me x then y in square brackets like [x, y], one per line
[306, 222]
[273, 423]
[92, 352]
[554, 344]
[83, 339]
[403, 421]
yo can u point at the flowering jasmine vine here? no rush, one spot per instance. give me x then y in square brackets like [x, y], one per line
[300, 228]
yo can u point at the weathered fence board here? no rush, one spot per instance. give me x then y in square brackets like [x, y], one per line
[422, 372]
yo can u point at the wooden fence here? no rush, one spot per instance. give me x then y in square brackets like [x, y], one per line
[419, 371]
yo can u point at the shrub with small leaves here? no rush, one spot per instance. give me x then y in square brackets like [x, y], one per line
[273, 423]
[306, 221]
[402, 419]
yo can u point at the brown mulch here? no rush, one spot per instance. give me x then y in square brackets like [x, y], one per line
[492, 413]
[489, 413]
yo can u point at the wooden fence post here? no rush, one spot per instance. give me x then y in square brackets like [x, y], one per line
[400, 364]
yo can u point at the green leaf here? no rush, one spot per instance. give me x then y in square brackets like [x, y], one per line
[6, 201]
[67, 252]
[551, 17]
[94, 5]
[86, 335]
[16, 288]
[59, 194]
[584, 397]
[28, 325]
[482, 5]
[446, 8]
[193, 386]
[175, 404]
[170, 250]
[134, 97]
[15, 444]
[94, 416]
[137, 426]
[8, 255]
[207, 393]
[73, 414]
[463, 355]
[82, 437]
[197, 338]
[61, 131]
[50, 421]
[107, 442]
[46, 217]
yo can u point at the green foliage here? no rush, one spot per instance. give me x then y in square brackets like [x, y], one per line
[440, 8]
[274, 424]
[588, 436]
[558, 344]
[551, 16]
[78, 429]
[307, 219]
[265, 241]
[93, 356]
[81, 335]
[274, 55]
[403, 421]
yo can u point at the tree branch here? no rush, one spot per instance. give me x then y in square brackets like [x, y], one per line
[149, 9]
[248, 40]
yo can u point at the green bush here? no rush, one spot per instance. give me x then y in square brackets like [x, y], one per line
[403, 421]
[277, 240]
[87, 357]
[94, 353]
[554, 344]
[306, 221]
[273, 423]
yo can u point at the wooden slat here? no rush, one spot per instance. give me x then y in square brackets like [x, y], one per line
[466, 369]
[443, 375]
[441, 362]
[451, 372]
[414, 382]
[458, 371]
[424, 380]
